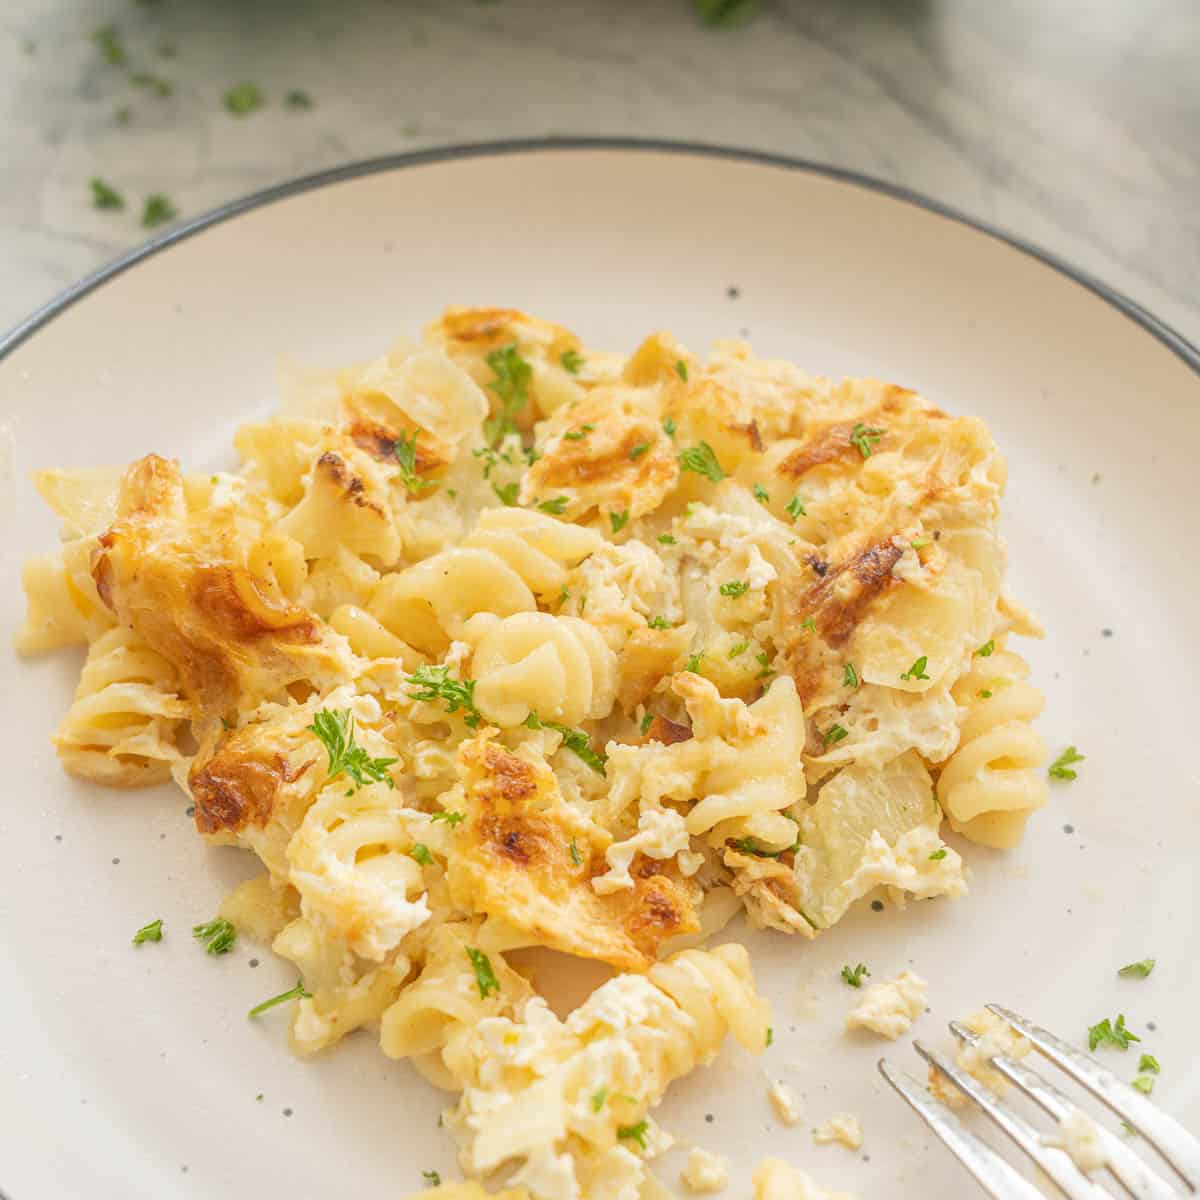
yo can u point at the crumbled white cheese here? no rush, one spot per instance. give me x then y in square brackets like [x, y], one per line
[783, 1101]
[889, 1008]
[1079, 1136]
[759, 572]
[661, 834]
[705, 1172]
[844, 1129]
[548, 1176]
[907, 867]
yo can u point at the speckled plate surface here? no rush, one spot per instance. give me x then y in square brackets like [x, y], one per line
[134, 1073]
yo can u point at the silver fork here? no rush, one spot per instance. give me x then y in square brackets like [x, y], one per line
[1003, 1182]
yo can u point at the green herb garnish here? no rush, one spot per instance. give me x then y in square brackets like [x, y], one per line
[637, 451]
[433, 1178]
[158, 210]
[574, 740]
[795, 507]
[669, 427]
[1149, 1063]
[738, 649]
[598, 1098]
[854, 975]
[735, 587]
[618, 520]
[761, 494]
[917, 670]
[834, 734]
[149, 933]
[335, 730]
[865, 438]
[725, 13]
[681, 369]
[109, 43]
[938, 854]
[987, 649]
[659, 623]
[555, 507]
[511, 382]
[693, 663]
[571, 360]
[1144, 1084]
[1105, 1033]
[647, 721]
[850, 676]
[296, 993]
[485, 977]
[243, 99]
[451, 817]
[420, 852]
[634, 1133]
[575, 853]
[703, 460]
[104, 196]
[1060, 768]
[297, 98]
[436, 683]
[406, 455]
[1137, 970]
[217, 934]
[577, 435]
[666, 539]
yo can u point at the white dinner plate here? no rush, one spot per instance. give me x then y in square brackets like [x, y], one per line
[134, 1073]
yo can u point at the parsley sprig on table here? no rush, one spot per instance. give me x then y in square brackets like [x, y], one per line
[1137, 970]
[297, 993]
[1109, 1033]
[335, 731]
[149, 933]
[853, 976]
[1060, 768]
[218, 935]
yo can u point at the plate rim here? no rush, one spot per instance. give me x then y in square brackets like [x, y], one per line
[1165, 334]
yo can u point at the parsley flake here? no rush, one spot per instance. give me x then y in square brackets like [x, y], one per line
[666, 539]
[703, 460]
[795, 508]
[435, 683]
[834, 734]
[217, 934]
[647, 721]
[738, 649]
[985, 693]
[297, 993]
[574, 740]
[243, 99]
[420, 852]
[850, 676]
[149, 933]
[618, 520]
[917, 670]
[1149, 1063]
[1060, 768]
[512, 375]
[938, 854]
[485, 977]
[987, 649]
[297, 99]
[1106, 1033]
[634, 1133]
[577, 435]
[507, 493]
[575, 853]
[598, 1098]
[669, 427]
[555, 507]
[571, 360]
[761, 494]
[406, 455]
[1144, 1084]
[693, 663]
[158, 210]
[637, 451]
[108, 42]
[770, 1035]
[681, 369]
[865, 438]
[725, 13]
[735, 587]
[104, 196]
[750, 846]
[451, 817]
[853, 976]
[809, 624]
[161, 87]
[335, 730]
[659, 623]
[1137, 970]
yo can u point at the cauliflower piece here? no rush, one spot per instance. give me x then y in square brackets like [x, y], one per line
[704, 1172]
[783, 1101]
[1079, 1136]
[844, 1129]
[890, 1008]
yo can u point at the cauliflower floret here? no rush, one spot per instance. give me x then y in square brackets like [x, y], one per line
[844, 1129]
[890, 1008]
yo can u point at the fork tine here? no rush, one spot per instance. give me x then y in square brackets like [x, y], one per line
[1138, 1179]
[1056, 1162]
[997, 1178]
[1164, 1133]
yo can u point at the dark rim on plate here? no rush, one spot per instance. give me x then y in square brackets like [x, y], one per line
[1174, 341]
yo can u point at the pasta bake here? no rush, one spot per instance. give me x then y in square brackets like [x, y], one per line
[500, 641]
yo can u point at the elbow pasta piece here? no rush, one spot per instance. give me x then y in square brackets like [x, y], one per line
[557, 667]
[992, 783]
[122, 727]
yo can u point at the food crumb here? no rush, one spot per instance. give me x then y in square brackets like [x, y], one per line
[783, 1101]
[843, 1129]
[287, 1112]
[704, 1172]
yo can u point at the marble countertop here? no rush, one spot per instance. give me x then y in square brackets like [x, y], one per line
[1076, 126]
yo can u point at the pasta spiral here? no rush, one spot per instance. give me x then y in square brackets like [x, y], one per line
[558, 667]
[993, 781]
[64, 608]
[121, 729]
[510, 558]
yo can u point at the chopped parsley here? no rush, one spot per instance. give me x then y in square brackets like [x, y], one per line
[1060, 768]
[795, 508]
[761, 494]
[703, 460]
[574, 740]
[634, 1133]
[834, 734]
[938, 854]
[335, 730]
[555, 507]
[735, 587]
[297, 993]
[436, 683]
[724, 13]
[598, 1098]
[577, 435]
[638, 451]
[1137, 970]
[669, 427]
[738, 649]
[108, 42]
[448, 815]
[1144, 1084]
[1106, 1033]
[406, 455]
[575, 853]
[647, 721]
[507, 493]
[512, 375]
[659, 623]
[919, 543]
[420, 852]
[298, 98]
[693, 663]
[104, 196]
[433, 1178]
[485, 977]
[809, 624]
[764, 662]
[750, 846]
[917, 670]
[681, 369]
[243, 99]
[217, 934]
[987, 649]
[854, 975]
[618, 520]
[770, 1035]
[850, 676]
[985, 693]
[666, 539]
[149, 933]
[865, 438]
[158, 210]
[571, 360]
[1149, 1063]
